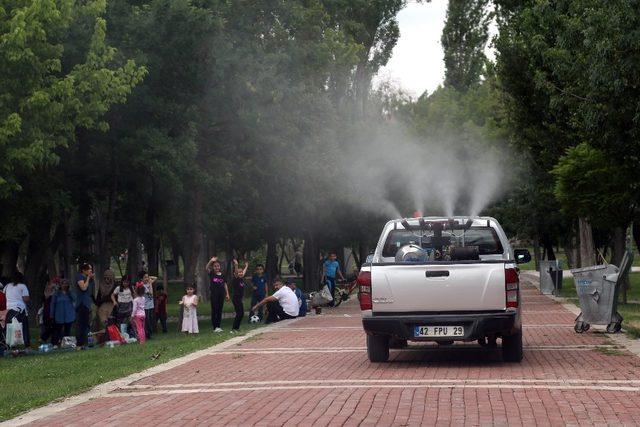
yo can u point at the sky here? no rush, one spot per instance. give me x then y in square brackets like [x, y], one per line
[417, 61]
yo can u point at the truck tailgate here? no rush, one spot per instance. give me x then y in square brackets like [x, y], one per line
[441, 288]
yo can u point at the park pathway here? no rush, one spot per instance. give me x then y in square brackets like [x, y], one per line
[314, 371]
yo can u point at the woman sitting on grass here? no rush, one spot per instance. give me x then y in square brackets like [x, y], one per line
[189, 303]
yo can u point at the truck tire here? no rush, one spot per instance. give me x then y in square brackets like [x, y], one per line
[512, 347]
[378, 348]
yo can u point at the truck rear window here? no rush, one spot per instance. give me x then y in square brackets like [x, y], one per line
[484, 238]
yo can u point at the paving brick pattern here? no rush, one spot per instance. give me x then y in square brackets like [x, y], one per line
[315, 371]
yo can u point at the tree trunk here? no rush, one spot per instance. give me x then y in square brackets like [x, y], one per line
[548, 248]
[193, 239]
[635, 231]
[311, 263]
[37, 248]
[133, 256]
[571, 252]
[202, 279]
[536, 252]
[363, 253]
[176, 253]
[9, 251]
[587, 248]
[272, 266]
[283, 253]
[67, 251]
[618, 243]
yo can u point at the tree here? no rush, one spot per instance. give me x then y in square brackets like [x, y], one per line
[464, 38]
[44, 100]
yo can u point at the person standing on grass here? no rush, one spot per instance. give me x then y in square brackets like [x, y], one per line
[283, 304]
[237, 290]
[147, 282]
[160, 307]
[84, 303]
[122, 297]
[17, 298]
[189, 303]
[138, 314]
[218, 291]
[331, 268]
[103, 299]
[48, 325]
[259, 282]
[62, 312]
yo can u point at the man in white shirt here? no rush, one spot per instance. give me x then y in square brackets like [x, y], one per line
[17, 298]
[283, 304]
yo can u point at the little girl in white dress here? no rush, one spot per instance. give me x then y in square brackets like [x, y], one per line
[190, 316]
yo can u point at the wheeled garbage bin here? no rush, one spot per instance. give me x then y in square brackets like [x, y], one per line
[550, 277]
[597, 288]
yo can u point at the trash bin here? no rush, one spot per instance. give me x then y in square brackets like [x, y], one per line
[550, 277]
[597, 288]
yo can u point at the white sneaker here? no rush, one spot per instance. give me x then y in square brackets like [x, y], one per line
[217, 330]
[233, 331]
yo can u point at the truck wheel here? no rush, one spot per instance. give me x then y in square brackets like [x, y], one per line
[378, 348]
[512, 347]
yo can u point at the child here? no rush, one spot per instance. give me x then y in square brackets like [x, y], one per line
[160, 307]
[62, 312]
[331, 266]
[147, 282]
[137, 314]
[190, 318]
[237, 286]
[219, 292]
[122, 298]
[260, 291]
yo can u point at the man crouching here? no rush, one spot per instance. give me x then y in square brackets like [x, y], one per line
[283, 304]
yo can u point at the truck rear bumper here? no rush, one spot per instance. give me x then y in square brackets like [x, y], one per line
[475, 325]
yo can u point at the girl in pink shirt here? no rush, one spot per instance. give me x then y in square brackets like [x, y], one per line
[138, 315]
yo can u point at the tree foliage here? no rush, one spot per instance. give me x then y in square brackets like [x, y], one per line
[44, 99]
[464, 39]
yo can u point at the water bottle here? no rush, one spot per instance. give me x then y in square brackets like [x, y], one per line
[90, 340]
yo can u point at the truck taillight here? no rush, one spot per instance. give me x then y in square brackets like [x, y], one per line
[511, 286]
[364, 290]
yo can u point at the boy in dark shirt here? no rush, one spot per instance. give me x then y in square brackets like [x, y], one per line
[160, 307]
[259, 282]
[219, 292]
[237, 288]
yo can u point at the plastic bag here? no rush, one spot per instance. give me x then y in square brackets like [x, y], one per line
[326, 293]
[68, 342]
[114, 333]
[14, 333]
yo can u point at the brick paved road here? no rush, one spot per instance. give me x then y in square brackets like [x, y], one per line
[315, 371]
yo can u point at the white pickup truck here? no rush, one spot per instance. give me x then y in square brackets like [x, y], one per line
[444, 280]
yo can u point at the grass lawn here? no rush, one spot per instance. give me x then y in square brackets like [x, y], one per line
[32, 381]
[630, 312]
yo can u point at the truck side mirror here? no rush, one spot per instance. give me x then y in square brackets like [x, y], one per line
[522, 256]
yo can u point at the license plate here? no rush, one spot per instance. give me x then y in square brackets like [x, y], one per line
[438, 331]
